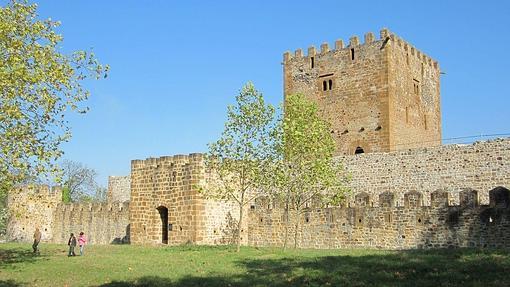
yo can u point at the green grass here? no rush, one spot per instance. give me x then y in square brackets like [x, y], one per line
[126, 265]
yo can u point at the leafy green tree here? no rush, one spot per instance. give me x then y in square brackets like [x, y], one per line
[304, 171]
[236, 160]
[38, 85]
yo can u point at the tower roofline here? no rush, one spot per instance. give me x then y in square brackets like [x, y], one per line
[385, 35]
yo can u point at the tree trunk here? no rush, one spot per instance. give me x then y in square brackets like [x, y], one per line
[239, 224]
[287, 223]
[297, 229]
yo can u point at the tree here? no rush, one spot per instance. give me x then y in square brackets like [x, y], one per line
[304, 170]
[78, 182]
[38, 85]
[236, 159]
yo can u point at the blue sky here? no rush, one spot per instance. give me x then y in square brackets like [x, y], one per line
[175, 65]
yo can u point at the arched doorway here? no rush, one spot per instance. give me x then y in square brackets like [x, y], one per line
[163, 214]
[359, 150]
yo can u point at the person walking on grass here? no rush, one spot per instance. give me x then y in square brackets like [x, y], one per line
[37, 240]
[82, 241]
[72, 244]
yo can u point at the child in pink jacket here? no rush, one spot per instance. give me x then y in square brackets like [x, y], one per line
[82, 241]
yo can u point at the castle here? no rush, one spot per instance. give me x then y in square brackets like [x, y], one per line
[382, 100]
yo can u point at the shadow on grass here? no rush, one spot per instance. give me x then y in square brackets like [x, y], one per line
[9, 283]
[406, 268]
[9, 257]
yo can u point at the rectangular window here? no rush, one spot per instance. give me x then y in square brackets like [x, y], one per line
[312, 62]
[416, 86]
[352, 54]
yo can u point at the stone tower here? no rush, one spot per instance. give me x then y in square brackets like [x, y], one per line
[379, 96]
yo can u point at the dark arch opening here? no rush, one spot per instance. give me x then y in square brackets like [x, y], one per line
[324, 86]
[330, 84]
[499, 197]
[359, 150]
[163, 214]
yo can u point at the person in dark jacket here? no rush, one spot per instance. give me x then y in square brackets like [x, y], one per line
[72, 244]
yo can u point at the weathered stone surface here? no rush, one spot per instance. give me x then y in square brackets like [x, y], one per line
[420, 198]
[31, 207]
[379, 96]
[388, 228]
[119, 188]
[103, 223]
[170, 184]
[481, 166]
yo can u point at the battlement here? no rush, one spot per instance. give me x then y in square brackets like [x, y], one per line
[385, 37]
[94, 207]
[41, 190]
[165, 160]
[499, 197]
[413, 52]
[391, 227]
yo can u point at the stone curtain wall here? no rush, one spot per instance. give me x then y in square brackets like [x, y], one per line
[119, 188]
[453, 195]
[31, 207]
[436, 226]
[481, 166]
[41, 206]
[102, 223]
[172, 182]
[431, 197]
[221, 222]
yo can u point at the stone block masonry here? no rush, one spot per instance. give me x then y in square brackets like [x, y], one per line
[102, 223]
[379, 96]
[41, 206]
[481, 166]
[119, 188]
[390, 227]
[31, 207]
[443, 196]
[167, 208]
[448, 196]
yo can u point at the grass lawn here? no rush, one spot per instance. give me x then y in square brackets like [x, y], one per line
[127, 265]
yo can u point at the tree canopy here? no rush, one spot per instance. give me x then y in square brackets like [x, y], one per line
[78, 182]
[305, 171]
[39, 84]
[236, 160]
